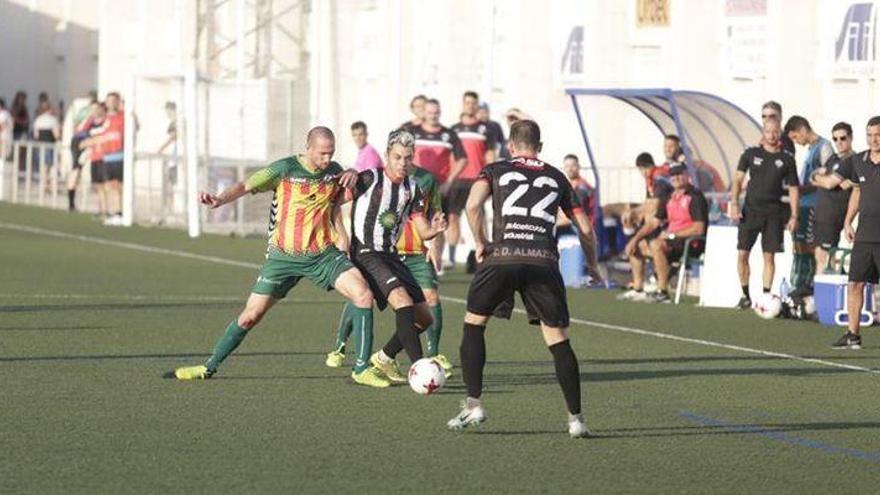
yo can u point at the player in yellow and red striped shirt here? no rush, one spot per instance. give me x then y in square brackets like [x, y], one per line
[306, 190]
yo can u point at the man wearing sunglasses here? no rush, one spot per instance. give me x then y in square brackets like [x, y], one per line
[832, 196]
[773, 110]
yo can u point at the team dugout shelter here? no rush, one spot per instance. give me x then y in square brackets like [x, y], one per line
[713, 132]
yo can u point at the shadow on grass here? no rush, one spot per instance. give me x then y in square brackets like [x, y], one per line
[115, 357]
[40, 308]
[528, 379]
[732, 429]
[687, 359]
[702, 430]
[58, 328]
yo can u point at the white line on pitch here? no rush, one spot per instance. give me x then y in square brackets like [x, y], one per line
[597, 324]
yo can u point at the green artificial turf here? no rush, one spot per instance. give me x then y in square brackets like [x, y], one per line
[88, 329]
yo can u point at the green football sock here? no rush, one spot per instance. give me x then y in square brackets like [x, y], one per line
[230, 340]
[432, 333]
[345, 327]
[362, 326]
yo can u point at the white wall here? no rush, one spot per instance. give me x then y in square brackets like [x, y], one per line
[447, 48]
[45, 47]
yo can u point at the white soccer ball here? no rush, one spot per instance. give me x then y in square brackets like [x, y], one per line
[426, 376]
[809, 306]
[768, 306]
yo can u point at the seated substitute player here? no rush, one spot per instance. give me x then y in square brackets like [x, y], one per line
[526, 196]
[685, 214]
[301, 235]
[384, 198]
[863, 170]
[659, 188]
[422, 264]
[769, 167]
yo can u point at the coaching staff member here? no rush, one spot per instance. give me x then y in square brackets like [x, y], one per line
[769, 167]
[865, 258]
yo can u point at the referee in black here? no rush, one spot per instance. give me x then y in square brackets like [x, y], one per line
[864, 266]
[770, 168]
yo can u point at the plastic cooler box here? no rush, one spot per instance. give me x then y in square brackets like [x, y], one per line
[571, 261]
[830, 296]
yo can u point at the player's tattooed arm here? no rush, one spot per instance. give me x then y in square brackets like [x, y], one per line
[480, 192]
[587, 239]
[228, 195]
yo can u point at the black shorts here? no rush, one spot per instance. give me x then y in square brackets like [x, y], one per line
[99, 172]
[113, 170]
[864, 262]
[540, 287]
[675, 248]
[456, 197]
[771, 226]
[75, 152]
[826, 234]
[505, 310]
[384, 273]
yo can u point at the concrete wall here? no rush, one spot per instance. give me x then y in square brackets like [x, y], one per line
[511, 52]
[44, 49]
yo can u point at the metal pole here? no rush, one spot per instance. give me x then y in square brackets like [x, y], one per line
[128, 156]
[28, 171]
[577, 112]
[688, 159]
[191, 82]
[16, 154]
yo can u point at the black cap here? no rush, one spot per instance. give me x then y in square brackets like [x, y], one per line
[678, 169]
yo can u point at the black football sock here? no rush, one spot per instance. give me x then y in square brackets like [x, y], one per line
[473, 358]
[407, 334]
[569, 375]
[745, 289]
[71, 199]
[393, 346]
[766, 290]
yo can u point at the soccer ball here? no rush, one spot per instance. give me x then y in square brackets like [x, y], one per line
[426, 376]
[809, 307]
[768, 306]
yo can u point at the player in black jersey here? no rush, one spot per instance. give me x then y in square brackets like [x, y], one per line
[769, 168]
[526, 196]
[384, 199]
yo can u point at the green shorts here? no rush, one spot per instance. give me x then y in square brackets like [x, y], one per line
[281, 272]
[804, 231]
[422, 270]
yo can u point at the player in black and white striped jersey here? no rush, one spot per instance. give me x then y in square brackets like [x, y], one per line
[384, 198]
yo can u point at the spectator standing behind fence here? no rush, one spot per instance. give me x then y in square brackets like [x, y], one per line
[21, 120]
[82, 120]
[5, 131]
[110, 140]
[834, 188]
[367, 158]
[46, 129]
[93, 127]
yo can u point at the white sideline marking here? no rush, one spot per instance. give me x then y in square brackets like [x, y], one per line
[122, 297]
[597, 324]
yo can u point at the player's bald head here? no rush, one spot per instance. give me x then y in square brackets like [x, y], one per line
[319, 132]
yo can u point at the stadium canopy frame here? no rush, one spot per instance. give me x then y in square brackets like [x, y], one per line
[713, 131]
